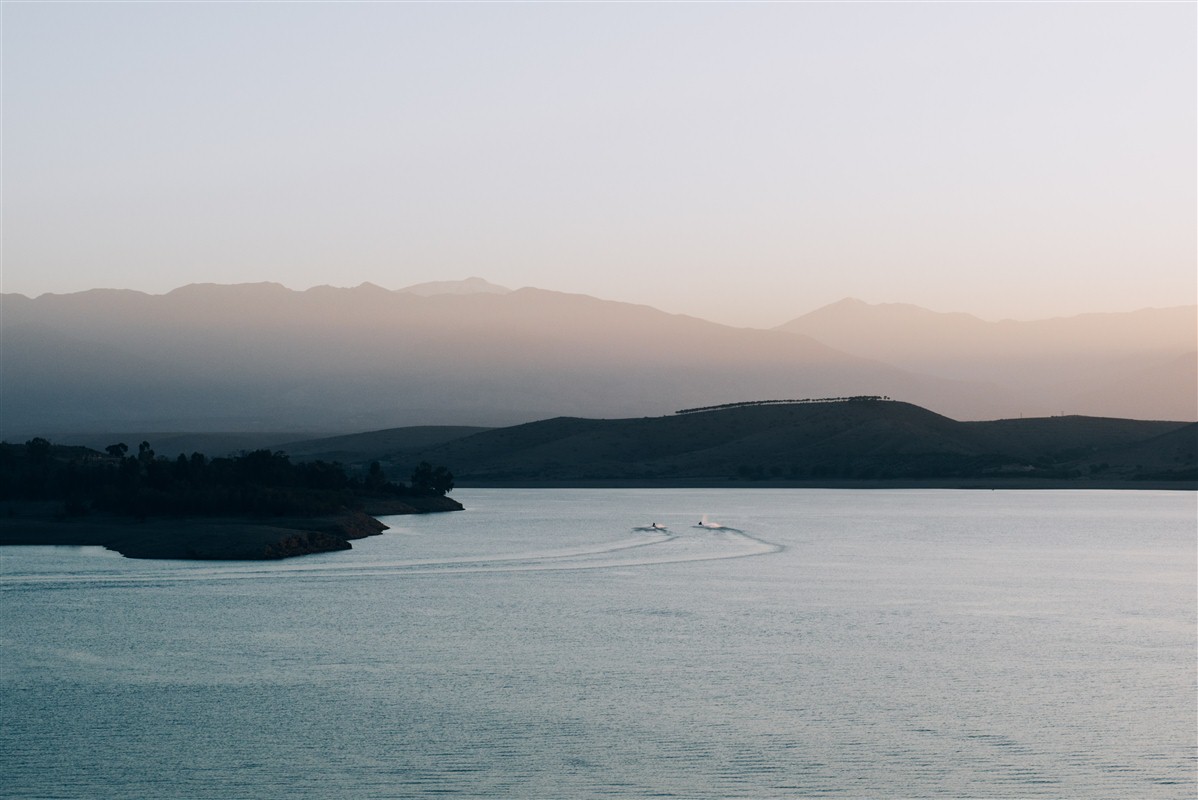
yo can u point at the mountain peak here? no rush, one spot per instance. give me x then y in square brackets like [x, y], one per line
[211, 289]
[853, 311]
[472, 285]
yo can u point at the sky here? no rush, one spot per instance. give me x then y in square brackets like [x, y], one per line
[741, 162]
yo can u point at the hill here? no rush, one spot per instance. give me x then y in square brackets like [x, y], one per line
[1141, 364]
[364, 447]
[814, 442]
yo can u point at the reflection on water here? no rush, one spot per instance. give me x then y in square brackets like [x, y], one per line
[847, 644]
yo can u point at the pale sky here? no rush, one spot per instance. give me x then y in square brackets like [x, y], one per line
[740, 162]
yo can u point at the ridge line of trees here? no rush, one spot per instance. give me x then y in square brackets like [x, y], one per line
[852, 399]
[259, 482]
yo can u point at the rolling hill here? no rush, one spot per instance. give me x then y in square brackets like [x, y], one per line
[812, 442]
[1140, 364]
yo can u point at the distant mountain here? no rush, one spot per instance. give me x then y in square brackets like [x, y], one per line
[355, 448]
[854, 440]
[263, 358]
[365, 447]
[171, 444]
[1141, 364]
[468, 286]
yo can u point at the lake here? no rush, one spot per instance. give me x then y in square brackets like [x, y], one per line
[917, 643]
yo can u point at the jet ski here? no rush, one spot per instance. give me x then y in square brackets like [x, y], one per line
[708, 525]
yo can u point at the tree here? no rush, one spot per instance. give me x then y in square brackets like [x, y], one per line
[376, 479]
[37, 450]
[442, 481]
[422, 477]
[426, 480]
[117, 450]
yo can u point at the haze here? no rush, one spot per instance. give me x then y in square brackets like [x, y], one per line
[259, 357]
[744, 163]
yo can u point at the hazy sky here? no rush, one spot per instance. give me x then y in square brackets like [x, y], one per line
[740, 162]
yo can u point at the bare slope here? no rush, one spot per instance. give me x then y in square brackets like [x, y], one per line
[365, 447]
[845, 440]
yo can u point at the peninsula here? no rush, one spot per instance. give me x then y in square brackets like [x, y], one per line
[254, 506]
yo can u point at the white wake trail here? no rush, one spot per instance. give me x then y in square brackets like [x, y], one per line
[638, 551]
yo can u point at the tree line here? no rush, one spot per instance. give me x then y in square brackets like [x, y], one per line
[260, 482]
[853, 399]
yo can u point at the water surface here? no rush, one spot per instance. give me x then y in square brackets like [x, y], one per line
[848, 644]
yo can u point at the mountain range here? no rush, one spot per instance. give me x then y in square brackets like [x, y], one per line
[264, 358]
[1141, 364]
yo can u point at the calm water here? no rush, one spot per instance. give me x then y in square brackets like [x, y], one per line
[850, 644]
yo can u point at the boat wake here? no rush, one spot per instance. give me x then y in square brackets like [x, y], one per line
[660, 547]
[708, 525]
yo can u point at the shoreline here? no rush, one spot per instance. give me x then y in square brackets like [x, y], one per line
[227, 538]
[926, 483]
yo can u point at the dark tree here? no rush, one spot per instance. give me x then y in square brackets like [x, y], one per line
[37, 450]
[422, 477]
[426, 480]
[260, 482]
[375, 478]
[442, 481]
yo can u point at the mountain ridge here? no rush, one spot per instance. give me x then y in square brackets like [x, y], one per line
[363, 357]
[859, 439]
[260, 356]
[1141, 363]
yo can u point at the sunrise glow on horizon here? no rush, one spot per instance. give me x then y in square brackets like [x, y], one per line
[741, 163]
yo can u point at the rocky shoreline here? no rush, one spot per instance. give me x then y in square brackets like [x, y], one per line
[210, 538]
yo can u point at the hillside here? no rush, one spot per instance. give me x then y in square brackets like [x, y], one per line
[855, 440]
[1141, 364]
[365, 447]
